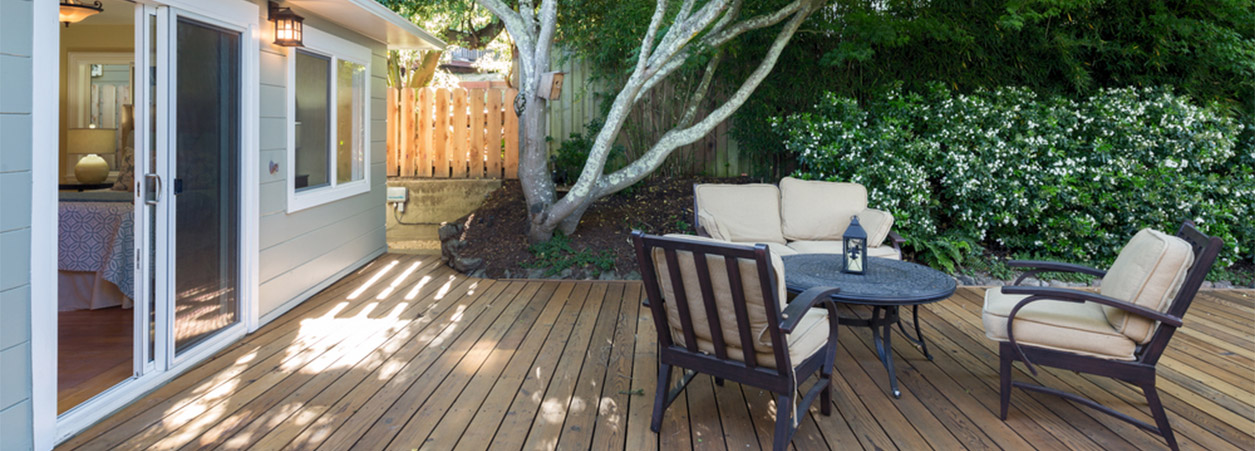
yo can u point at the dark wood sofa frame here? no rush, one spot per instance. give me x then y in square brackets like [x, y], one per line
[1139, 372]
[783, 380]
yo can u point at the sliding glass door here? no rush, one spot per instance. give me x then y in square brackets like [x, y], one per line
[206, 181]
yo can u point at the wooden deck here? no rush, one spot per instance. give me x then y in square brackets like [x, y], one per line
[408, 354]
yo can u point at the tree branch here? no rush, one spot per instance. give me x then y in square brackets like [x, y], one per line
[695, 101]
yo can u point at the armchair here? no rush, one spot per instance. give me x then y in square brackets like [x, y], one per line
[720, 309]
[1120, 332]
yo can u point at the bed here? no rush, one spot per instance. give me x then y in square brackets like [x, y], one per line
[95, 251]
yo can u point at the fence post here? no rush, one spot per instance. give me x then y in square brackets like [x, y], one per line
[423, 158]
[407, 132]
[440, 137]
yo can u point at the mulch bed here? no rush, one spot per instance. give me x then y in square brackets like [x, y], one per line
[497, 231]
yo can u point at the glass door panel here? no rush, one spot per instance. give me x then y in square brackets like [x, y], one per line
[206, 181]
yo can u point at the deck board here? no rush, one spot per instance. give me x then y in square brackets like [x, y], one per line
[406, 353]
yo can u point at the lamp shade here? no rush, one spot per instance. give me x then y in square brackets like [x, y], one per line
[90, 143]
[289, 30]
[74, 11]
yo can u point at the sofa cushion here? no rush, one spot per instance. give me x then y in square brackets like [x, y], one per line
[745, 213]
[836, 247]
[1078, 327]
[814, 210]
[720, 284]
[877, 224]
[1148, 272]
[776, 248]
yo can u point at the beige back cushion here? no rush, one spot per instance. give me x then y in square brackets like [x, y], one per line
[745, 213]
[877, 224]
[1148, 272]
[723, 296]
[812, 210]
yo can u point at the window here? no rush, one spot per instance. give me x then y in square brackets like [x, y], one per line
[328, 128]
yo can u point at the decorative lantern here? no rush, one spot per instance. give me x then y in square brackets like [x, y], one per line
[288, 26]
[855, 240]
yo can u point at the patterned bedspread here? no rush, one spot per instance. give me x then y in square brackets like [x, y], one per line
[98, 236]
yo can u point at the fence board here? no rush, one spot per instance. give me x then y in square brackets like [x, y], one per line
[425, 159]
[478, 123]
[495, 124]
[511, 136]
[440, 136]
[407, 132]
[460, 145]
[392, 133]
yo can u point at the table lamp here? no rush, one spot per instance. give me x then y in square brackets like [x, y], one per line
[89, 143]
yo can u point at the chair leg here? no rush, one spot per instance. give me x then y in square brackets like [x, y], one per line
[1004, 373]
[825, 397]
[1157, 412]
[784, 423]
[660, 397]
[719, 381]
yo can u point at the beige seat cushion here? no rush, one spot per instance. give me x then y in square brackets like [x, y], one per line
[836, 247]
[877, 224]
[814, 210]
[810, 335]
[744, 213]
[720, 285]
[1077, 327]
[1148, 272]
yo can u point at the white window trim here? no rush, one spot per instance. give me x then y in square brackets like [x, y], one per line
[336, 48]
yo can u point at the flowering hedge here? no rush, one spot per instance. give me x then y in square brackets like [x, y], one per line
[1041, 176]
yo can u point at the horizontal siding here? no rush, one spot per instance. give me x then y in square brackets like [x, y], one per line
[15, 224]
[300, 251]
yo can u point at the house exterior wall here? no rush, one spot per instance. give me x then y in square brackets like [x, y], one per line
[305, 251]
[15, 224]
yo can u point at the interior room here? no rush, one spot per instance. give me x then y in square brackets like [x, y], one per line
[96, 197]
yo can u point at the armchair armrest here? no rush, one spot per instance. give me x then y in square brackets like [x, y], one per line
[897, 240]
[803, 302]
[1039, 267]
[1063, 294]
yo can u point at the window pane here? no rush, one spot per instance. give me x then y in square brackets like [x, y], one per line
[313, 121]
[351, 122]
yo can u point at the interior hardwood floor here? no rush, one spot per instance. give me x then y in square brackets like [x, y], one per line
[94, 353]
[406, 354]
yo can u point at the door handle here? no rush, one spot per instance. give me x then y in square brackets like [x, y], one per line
[155, 182]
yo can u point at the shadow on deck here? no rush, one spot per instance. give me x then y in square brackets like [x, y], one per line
[406, 353]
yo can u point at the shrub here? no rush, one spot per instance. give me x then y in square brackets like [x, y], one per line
[1031, 175]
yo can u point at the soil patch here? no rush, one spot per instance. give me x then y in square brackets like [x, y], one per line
[497, 231]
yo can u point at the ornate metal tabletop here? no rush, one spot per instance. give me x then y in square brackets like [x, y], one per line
[886, 282]
[885, 286]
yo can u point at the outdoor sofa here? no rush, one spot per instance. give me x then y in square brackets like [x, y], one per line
[796, 217]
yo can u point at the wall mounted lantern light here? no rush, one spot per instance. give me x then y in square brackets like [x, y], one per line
[288, 27]
[73, 11]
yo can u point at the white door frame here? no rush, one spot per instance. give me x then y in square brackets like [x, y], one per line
[49, 429]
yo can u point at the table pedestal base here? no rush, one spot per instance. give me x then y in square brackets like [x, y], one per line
[881, 324]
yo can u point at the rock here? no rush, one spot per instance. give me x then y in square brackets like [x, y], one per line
[966, 279]
[608, 275]
[479, 273]
[449, 231]
[632, 276]
[566, 273]
[1057, 284]
[467, 264]
[1095, 283]
[1223, 285]
[1207, 285]
[535, 273]
[507, 275]
[455, 245]
[1032, 282]
[994, 282]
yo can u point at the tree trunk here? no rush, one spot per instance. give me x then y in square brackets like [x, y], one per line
[537, 183]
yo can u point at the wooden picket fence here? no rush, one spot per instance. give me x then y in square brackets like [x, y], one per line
[458, 133]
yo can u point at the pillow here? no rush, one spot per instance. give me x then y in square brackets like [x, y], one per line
[1148, 272]
[126, 172]
[814, 210]
[877, 224]
[745, 213]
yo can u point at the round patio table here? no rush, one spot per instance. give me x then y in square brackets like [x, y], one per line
[886, 286]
